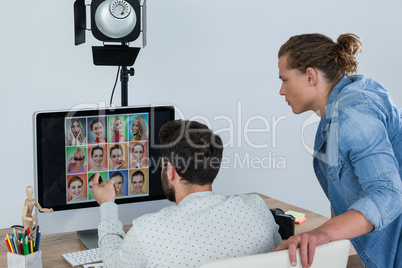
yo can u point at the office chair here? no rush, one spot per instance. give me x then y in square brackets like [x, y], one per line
[332, 255]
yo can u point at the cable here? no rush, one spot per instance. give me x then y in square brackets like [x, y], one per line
[114, 87]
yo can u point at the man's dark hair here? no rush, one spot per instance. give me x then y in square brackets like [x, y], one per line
[192, 148]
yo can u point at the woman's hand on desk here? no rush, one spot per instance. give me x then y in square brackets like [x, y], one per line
[104, 192]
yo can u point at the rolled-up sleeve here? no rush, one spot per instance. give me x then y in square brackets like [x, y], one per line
[117, 249]
[363, 139]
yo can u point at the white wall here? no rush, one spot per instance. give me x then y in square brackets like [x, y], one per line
[209, 58]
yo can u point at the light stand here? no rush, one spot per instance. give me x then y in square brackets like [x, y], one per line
[118, 55]
[124, 75]
[114, 22]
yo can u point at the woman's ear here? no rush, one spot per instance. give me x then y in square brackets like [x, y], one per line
[311, 76]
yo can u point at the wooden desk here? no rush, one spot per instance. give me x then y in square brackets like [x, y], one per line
[54, 245]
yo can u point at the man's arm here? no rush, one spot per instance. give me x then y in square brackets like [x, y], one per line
[117, 249]
[345, 226]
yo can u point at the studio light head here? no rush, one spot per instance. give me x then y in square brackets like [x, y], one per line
[117, 22]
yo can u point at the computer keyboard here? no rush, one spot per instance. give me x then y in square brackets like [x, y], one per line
[82, 257]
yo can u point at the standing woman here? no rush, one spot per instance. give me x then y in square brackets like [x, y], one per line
[357, 151]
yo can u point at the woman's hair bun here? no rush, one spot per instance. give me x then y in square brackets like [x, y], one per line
[349, 46]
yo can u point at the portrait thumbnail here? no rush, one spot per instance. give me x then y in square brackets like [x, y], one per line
[138, 154]
[118, 156]
[75, 131]
[138, 127]
[76, 160]
[138, 182]
[103, 177]
[97, 130]
[97, 160]
[121, 180]
[76, 188]
[118, 128]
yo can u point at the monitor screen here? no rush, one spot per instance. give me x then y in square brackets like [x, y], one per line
[119, 143]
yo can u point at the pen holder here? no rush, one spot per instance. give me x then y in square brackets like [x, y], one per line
[33, 260]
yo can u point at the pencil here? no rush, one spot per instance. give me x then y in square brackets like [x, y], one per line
[31, 244]
[37, 246]
[14, 243]
[11, 246]
[8, 246]
[20, 249]
[36, 238]
[23, 243]
[26, 245]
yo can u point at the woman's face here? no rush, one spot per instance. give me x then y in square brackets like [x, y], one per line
[135, 127]
[97, 157]
[75, 189]
[116, 157]
[118, 126]
[119, 183]
[97, 129]
[91, 186]
[299, 94]
[75, 129]
[137, 182]
[78, 158]
[138, 153]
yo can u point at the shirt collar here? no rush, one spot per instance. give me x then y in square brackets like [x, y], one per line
[196, 195]
[329, 112]
[329, 109]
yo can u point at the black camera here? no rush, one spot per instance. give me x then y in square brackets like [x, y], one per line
[286, 223]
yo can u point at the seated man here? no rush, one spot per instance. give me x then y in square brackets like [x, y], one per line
[202, 226]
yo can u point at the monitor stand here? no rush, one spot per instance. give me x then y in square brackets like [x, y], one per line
[89, 238]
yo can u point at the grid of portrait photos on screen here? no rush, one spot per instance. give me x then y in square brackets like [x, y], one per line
[115, 146]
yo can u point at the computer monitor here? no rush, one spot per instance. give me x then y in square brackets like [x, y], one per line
[72, 146]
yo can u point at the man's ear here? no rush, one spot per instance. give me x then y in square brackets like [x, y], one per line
[312, 76]
[170, 171]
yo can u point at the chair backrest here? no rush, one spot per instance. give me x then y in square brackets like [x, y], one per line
[332, 255]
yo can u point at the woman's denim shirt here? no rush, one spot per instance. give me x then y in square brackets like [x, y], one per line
[358, 162]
